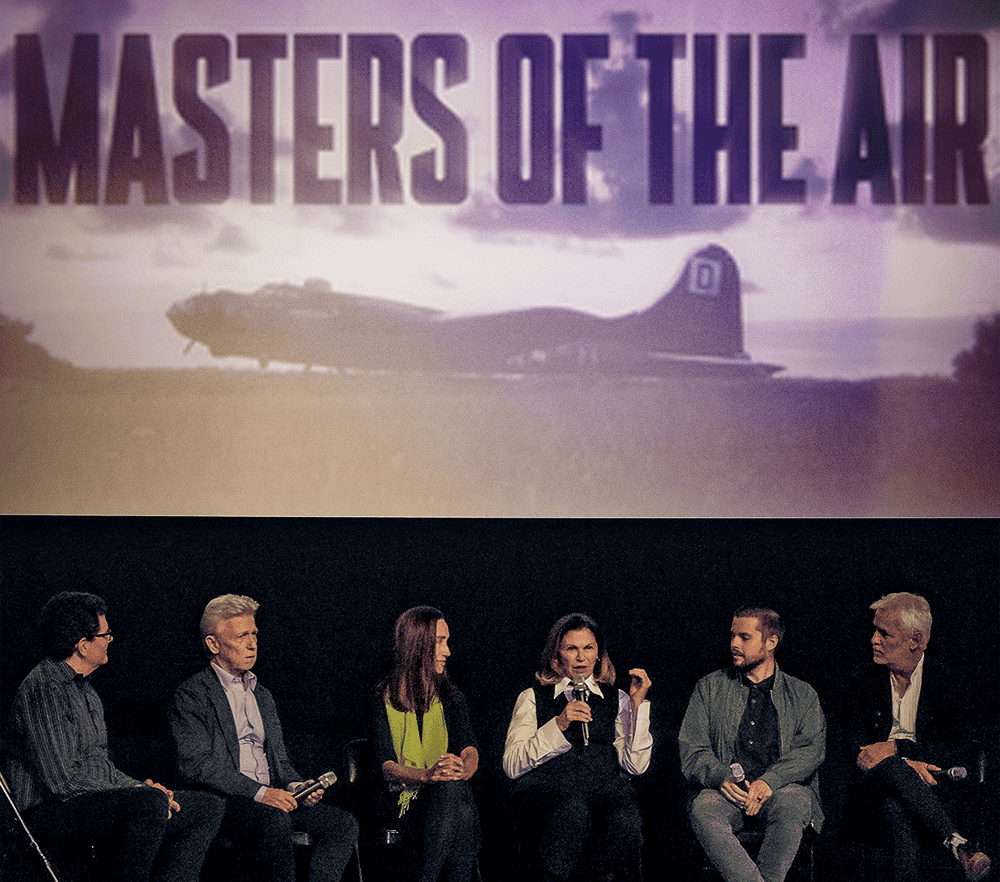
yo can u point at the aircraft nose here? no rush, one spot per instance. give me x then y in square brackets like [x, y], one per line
[176, 314]
[182, 313]
[182, 307]
[187, 308]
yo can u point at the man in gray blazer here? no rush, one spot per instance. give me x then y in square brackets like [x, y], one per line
[229, 740]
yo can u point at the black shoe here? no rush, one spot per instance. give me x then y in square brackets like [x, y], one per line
[976, 864]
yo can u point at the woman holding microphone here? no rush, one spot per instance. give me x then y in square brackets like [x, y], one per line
[570, 736]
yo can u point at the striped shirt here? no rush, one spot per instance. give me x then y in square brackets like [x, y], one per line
[60, 741]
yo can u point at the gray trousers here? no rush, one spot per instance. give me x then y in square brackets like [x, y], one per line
[782, 818]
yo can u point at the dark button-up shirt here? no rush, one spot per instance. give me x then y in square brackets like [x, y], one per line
[60, 741]
[757, 738]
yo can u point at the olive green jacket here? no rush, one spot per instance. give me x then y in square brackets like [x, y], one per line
[708, 733]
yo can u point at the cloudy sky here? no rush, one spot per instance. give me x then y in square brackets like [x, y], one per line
[97, 280]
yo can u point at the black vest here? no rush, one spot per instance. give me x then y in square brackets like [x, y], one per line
[582, 767]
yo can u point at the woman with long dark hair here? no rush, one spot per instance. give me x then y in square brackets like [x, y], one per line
[570, 738]
[426, 748]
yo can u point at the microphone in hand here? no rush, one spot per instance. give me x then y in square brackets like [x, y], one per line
[581, 693]
[955, 773]
[328, 779]
[739, 776]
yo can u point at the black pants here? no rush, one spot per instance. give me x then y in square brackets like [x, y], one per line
[894, 800]
[601, 819]
[129, 826]
[443, 816]
[263, 835]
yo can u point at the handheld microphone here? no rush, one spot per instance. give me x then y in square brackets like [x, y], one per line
[580, 693]
[326, 780]
[739, 776]
[955, 773]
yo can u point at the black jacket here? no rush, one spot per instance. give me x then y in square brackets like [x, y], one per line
[942, 738]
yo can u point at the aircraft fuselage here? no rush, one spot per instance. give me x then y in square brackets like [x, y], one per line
[695, 327]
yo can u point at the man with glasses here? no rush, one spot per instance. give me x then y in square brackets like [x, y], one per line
[62, 779]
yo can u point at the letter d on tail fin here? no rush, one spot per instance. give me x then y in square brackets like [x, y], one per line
[700, 314]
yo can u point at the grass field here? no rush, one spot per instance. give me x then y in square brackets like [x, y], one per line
[212, 442]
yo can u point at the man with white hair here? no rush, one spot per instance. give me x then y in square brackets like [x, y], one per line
[229, 740]
[902, 729]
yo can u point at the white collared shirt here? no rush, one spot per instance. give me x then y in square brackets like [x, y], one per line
[249, 725]
[904, 707]
[529, 745]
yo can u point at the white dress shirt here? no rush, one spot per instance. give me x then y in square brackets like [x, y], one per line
[249, 726]
[904, 707]
[529, 745]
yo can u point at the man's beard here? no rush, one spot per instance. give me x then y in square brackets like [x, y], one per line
[744, 665]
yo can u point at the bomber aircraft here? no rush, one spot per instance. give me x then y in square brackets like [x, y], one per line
[695, 328]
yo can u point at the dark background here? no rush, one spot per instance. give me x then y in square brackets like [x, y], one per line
[330, 591]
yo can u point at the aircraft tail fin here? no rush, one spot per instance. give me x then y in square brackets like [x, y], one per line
[701, 314]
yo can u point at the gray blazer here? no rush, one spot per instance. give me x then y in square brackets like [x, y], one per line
[208, 753]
